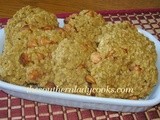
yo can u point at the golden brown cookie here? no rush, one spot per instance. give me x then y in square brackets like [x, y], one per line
[127, 61]
[86, 23]
[31, 36]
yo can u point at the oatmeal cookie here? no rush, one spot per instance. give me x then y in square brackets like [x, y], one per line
[70, 62]
[86, 24]
[27, 60]
[126, 60]
[72, 53]
[29, 18]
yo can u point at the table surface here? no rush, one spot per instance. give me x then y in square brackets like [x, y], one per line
[12, 107]
[9, 7]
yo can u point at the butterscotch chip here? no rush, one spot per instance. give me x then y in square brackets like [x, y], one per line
[90, 79]
[34, 75]
[24, 59]
[96, 57]
[50, 85]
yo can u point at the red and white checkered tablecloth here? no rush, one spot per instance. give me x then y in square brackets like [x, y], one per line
[12, 108]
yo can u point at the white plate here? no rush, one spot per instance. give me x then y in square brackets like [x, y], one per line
[88, 102]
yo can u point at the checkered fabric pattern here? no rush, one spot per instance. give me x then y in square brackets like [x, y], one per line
[21, 109]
